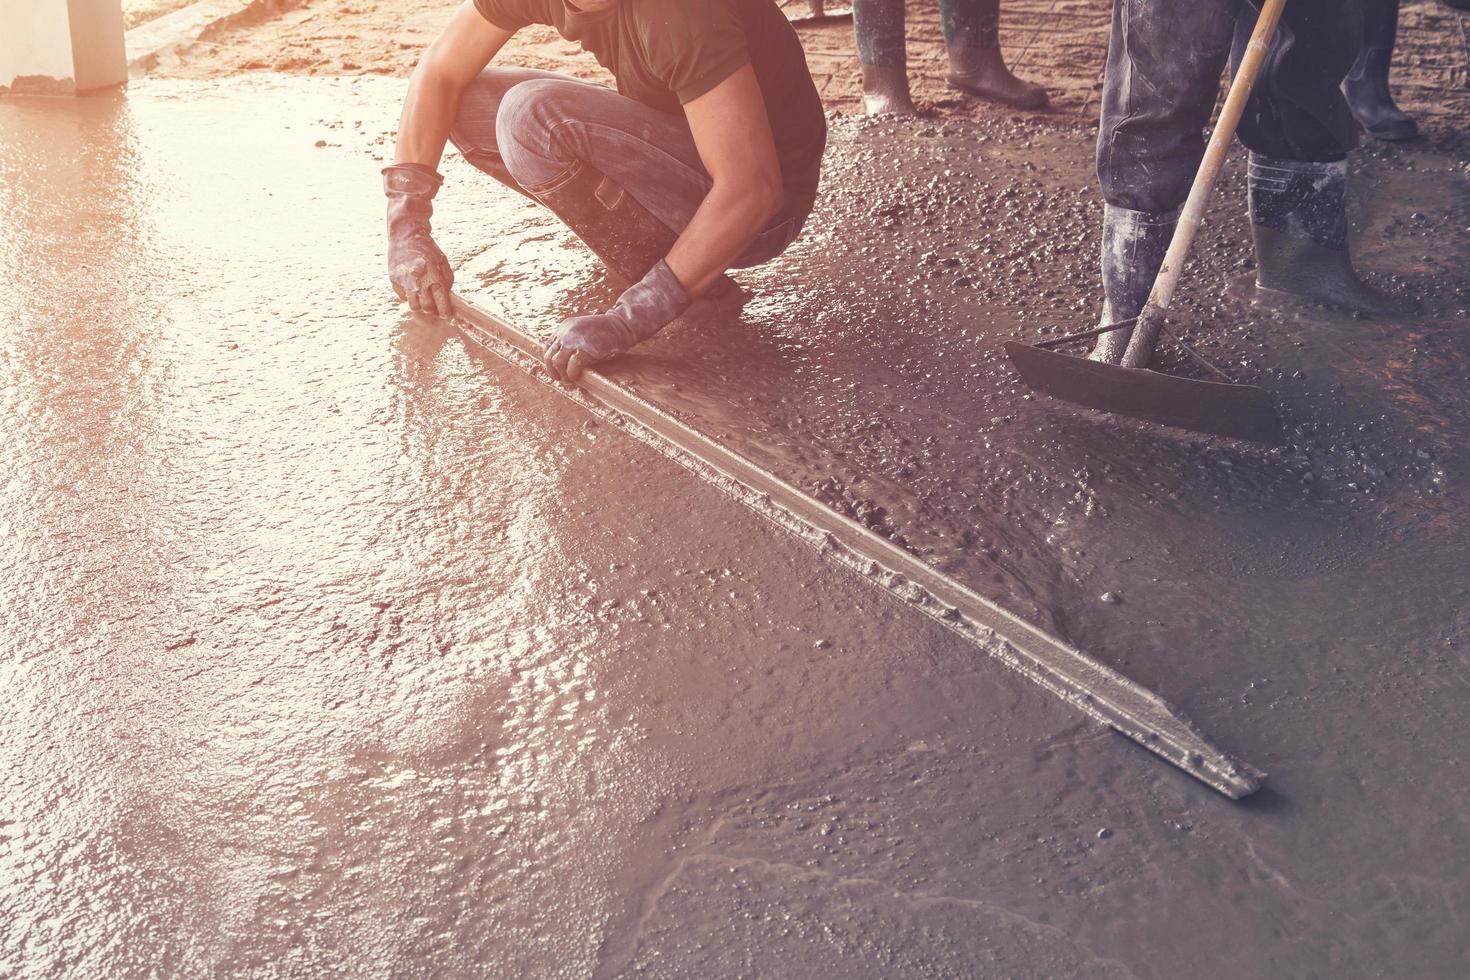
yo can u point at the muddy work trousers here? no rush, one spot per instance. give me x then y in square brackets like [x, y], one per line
[1163, 75]
[529, 128]
[879, 27]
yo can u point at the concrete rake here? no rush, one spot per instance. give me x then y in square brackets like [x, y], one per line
[1132, 388]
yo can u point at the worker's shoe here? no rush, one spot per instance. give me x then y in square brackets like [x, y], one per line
[623, 233]
[1366, 84]
[1133, 247]
[723, 296]
[982, 72]
[886, 91]
[1456, 4]
[1298, 215]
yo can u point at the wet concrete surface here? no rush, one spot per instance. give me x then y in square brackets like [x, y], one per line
[332, 646]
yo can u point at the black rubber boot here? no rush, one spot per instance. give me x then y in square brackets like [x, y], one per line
[625, 235]
[1133, 247]
[982, 72]
[1366, 84]
[886, 92]
[1299, 220]
[1456, 4]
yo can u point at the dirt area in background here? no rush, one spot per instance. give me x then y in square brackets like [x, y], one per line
[137, 12]
[1059, 43]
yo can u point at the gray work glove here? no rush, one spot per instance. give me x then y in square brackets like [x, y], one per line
[418, 269]
[645, 308]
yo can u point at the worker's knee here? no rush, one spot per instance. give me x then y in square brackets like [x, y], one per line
[535, 129]
[1146, 174]
[473, 128]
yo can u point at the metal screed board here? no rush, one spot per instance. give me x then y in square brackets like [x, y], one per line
[1090, 687]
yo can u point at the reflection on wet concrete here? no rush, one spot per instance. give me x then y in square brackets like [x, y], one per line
[333, 647]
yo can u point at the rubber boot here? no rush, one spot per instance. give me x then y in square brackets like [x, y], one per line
[886, 92]
[1366, 84]
[1299, 220]
[1133, 247]
[1456, 4]
[982, 72]
[623, 233]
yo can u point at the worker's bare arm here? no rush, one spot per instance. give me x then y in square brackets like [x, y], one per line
[454, 60]
[417, 267]
[734, 140]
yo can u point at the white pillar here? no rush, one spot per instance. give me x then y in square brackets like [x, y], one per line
[61, 46]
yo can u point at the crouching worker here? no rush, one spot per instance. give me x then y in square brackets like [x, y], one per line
[705, 158]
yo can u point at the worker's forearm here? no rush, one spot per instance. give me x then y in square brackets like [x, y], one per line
[720, 230]
[428, 113]
[726, 221]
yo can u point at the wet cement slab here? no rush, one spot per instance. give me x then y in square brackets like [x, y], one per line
[332, 646]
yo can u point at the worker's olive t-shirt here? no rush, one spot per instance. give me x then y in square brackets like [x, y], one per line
[665, 53]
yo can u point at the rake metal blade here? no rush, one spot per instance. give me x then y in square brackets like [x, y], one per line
[1235, 410]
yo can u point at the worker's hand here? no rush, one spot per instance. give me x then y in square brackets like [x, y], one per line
[644, 309]
[584, 340]
[417, 268]
[420, 274]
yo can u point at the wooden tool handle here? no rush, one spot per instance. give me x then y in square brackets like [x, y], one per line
[1151, 321]
[1214, 158]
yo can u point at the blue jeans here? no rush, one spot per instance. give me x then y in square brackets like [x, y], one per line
[530, 129]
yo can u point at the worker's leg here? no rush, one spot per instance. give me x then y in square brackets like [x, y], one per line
[625, 177]
[1366, 86]
[972, 37]
[1159, 85]
[473, 131]
[879, 28]
[1299, 130]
